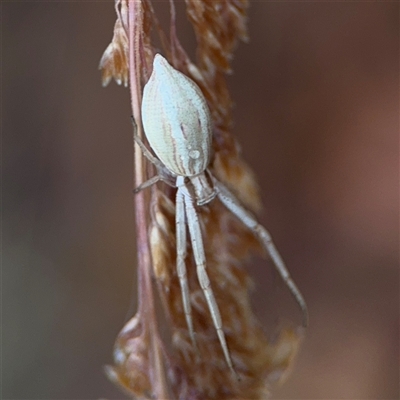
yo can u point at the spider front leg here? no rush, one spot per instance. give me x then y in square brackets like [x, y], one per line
[200, 260]
[232, 204]
[180, 226]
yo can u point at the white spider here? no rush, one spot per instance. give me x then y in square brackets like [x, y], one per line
[177, 124]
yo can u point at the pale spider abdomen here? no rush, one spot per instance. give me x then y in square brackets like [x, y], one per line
[176, 120]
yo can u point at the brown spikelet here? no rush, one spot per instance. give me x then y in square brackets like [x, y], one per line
[146, 366]
[114, 62]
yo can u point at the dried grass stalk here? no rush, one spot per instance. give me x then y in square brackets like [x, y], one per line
[145, 366]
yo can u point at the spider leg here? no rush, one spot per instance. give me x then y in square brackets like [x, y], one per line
[200, 259]
[148, 183]
[180, 223]
[232, 204]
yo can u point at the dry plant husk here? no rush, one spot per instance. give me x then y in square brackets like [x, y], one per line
[145, 366]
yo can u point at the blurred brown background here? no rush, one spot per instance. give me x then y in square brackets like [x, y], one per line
[317, 103]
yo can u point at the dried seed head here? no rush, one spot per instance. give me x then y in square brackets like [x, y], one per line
[114, 61]
[176, 120]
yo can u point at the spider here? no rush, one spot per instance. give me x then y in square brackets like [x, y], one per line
[177, 124]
